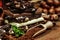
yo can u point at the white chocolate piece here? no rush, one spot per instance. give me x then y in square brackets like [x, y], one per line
[6, 21]
[26, 19]
[45, 15]
[32, 21]
[27, 28]
[11, 31]
[29, 22]
[19, 17]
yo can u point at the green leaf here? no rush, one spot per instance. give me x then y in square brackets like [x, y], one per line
[17, 31]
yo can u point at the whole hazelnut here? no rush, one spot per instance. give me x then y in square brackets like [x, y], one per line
[56, 2]
[43, 2]
[57, 10]
[39, 10]
[50, 1]
[45, 10]
[52, 10]
[54, 17]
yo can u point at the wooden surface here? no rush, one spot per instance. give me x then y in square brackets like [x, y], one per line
[51, 34]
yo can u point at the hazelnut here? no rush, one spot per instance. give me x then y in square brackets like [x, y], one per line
[50, 1]
[51, 11]
[56, 2]
[45, 10]
[39, 10]
[54, 17]
[57, 9]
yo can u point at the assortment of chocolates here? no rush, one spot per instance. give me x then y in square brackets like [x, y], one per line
[26, 19]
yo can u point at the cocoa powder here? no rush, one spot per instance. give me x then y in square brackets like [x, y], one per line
[29, 34]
